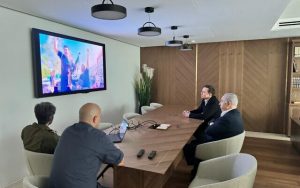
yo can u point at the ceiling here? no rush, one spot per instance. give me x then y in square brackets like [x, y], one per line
[203, 20]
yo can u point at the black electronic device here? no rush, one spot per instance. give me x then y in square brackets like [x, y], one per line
[140, 153]
[152, 155]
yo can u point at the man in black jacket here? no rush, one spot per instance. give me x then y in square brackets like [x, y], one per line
[208, 110]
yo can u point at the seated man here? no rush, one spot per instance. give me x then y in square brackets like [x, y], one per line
[81, 151]
[38, 137]
[208, 110]
[229, 124]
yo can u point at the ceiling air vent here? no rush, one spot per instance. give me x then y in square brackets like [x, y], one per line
[292, 23]
[287, 23]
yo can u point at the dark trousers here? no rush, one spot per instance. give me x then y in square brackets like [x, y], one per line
[189, 149]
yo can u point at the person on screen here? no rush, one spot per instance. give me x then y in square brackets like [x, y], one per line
[38, 137]
[81, 151]
[84, 79]
[229, 124]
[208, 110]
[66, 60]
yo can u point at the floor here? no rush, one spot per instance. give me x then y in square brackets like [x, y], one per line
[278, 164]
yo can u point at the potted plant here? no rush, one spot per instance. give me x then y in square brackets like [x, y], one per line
[143, 86]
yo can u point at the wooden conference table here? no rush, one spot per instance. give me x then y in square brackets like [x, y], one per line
[142, 172]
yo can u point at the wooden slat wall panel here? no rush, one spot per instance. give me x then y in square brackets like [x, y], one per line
[231, 66]
[254, 70]
[208, 67]
[174, 77]
[264, 84]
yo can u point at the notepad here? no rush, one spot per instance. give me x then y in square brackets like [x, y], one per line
[163, 126]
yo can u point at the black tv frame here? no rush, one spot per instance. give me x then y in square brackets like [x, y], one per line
[37, 72]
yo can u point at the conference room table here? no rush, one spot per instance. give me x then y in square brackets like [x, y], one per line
[143, 172]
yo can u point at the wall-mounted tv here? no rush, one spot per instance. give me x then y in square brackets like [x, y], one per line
[66, 65]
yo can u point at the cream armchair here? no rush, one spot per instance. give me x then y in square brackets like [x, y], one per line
[220, 148]
[130, 115]
[36, 182]
[145, 109]
[38, 163]
[105, 125]
[231, 171]
[155, 105]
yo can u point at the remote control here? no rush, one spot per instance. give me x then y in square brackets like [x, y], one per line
[152, 155]
[140, 153]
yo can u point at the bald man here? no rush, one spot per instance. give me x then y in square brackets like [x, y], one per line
[81, 151]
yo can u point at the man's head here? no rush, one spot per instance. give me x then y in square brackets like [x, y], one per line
[66, 50]
[44, 113]
[207, 92]
[228, 101]
[90, 113]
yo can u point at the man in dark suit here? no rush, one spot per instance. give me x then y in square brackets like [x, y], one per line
[208, 110]
[229, 124]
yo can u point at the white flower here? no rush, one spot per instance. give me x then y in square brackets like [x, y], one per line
[150, 72]
[144, 67]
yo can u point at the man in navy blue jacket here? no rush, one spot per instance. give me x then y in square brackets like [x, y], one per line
[229, 124]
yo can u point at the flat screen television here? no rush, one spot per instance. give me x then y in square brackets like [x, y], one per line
[66, 65]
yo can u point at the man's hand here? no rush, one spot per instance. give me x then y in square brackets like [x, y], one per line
[186, 113]
[122, 163]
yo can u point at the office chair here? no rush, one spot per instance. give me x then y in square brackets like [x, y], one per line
[105, 125]
[130, 115]
[38, 163]
[220, 148]
[36, 182]
[155, 105]
[145, 109]
[231, 171]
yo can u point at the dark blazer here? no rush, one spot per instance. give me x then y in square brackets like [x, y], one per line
[207, 112]
[231, 124]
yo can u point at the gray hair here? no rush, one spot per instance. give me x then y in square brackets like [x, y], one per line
[232, 98]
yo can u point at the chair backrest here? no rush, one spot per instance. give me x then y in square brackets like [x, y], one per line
[145, 109]
[130, 115]
[38, 163]
[36, 182]
[236, 170]
[220, 148]
[105, 125]
[155, 105]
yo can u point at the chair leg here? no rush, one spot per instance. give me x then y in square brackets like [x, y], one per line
[103, 171]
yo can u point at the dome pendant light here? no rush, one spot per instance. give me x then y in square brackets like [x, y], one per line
[186, 46]
[109, 11]
[150, 29]
[174, 43]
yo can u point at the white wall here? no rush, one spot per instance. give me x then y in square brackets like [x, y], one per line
[16, 82]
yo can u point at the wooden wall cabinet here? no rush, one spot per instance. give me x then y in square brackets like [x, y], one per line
[294, 82]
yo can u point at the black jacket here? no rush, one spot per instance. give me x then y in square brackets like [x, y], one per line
[231, 124]
[207, 112]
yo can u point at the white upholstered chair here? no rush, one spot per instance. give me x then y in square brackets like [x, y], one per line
[105, 125]
[36, 182]
[155, 105]
[38, 163]
[220, 148]
[231, 171]
[145, 109]
[130, 115]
